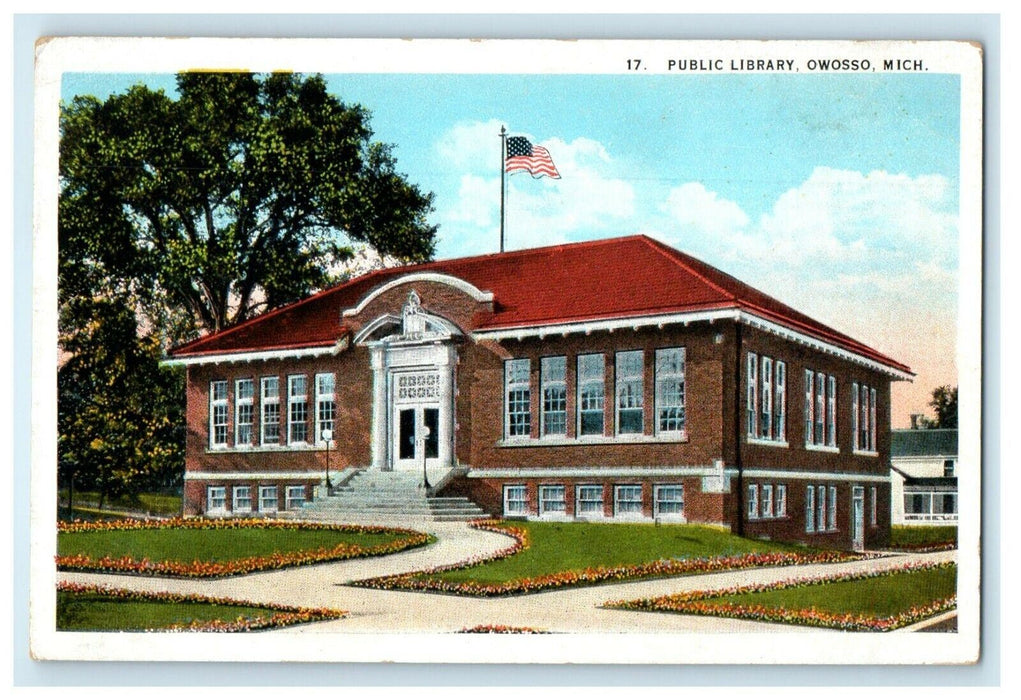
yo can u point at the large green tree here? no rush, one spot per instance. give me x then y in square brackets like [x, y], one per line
[944, 403]
[192, 212]
[240, 194]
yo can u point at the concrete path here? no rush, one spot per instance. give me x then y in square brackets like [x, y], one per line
[564, 610]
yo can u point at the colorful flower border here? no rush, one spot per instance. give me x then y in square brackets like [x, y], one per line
[501, 629]
[247, 565]
[590, 576]
[284, 615]
[698, 603]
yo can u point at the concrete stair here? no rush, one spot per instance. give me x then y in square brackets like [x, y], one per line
[375, 494]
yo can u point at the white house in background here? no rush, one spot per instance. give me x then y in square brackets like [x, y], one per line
[923, 478]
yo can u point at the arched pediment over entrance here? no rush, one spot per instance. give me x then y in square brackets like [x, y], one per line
[461, 285]
[414, 324]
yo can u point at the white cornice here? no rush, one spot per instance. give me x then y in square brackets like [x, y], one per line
[812, 476]
[591, 472]
[456, 282]
[256, 475]
[262, 355]
[734, 314]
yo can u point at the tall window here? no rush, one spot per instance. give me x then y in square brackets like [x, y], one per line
[873, 519]
[833, 508]
[809, 404]
[670, 390]
[218, 413]
[517, 398]
[831, 411]
[591, 394]
[767, 501]
[753, 501]
[863, 410]
[820, 409]
[553, 381]
[326, 405]
[810, 508]
[270, 423]
[630, 392]
[780, 402]
[244, 395]
[753, 387]
[820, 506]
[781, 501]
[297, 409]
[766, 401]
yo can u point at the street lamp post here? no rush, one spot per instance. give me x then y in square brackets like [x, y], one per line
[425, 474]
[327, 438]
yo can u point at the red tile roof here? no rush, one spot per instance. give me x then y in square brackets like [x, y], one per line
[611, 278]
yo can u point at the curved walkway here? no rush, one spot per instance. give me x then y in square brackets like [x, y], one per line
[563, 610]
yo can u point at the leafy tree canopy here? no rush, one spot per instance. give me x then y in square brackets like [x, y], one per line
[944, 403]
[236, 197]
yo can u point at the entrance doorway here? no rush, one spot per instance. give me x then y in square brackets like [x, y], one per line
[416, 437]
[858, 518]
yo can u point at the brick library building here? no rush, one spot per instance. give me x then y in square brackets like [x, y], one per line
[612, 380]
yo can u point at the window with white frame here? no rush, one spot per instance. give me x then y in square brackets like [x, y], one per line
[831, 411]
[874, 505]
[820, 409]
[244, 418]
[218, 413]
[766, 409]
[591, 394]
[766, 400]
[766, 509]
[270, 399]
[820, 506]
[753, 501]
[818, 437]
[297, 409]
[809, 406]
[630, 392]
[588, 500]
[515, 499]
[863, 411]
[781, 501]
[832, 512]
[294, 496]
[752, 372]
[517, 398]
[242, 499]
[780, 402]
[627, 499]
[326, 406]
[553, 384]
[670, 418]
[810, 508]
[552, 500]
[668, 499]
[268, 500]
[216, 499]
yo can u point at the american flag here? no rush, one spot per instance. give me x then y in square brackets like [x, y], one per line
[523, 156]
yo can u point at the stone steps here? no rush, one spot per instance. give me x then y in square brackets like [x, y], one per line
[389, 494]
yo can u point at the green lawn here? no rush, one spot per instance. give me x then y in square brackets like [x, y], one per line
[922, 535]
[557, 547]
[95, 612]
[881, 596]
[213, 545]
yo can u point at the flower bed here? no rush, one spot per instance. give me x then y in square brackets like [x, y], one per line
[245, 565]
[704, 603]
[282, 616]
[419, 581]
[501, 629]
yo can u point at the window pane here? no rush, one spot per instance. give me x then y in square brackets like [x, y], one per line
[591, 393]
[553, 371]
[518, 398]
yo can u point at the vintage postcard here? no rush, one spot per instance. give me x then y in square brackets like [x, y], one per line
[507, 351]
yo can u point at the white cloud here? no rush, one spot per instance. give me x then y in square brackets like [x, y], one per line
[586, 202]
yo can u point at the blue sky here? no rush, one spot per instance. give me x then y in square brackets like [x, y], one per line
[838, 194]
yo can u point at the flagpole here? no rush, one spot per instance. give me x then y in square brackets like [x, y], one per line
[503, 174]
